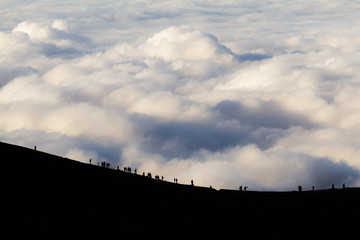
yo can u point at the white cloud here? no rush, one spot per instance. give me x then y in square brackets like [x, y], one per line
[185, 43]
[333, 143]
[61, 25]
[88, 121]
[166, 106]
[263, 94]
[28, 89]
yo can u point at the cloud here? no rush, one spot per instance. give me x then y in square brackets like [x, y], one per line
[224, 93]
[51, 40]
[28, 88]
[56, 34]
[88, 121]
[261, 113]
[184, 43]
[181, 139]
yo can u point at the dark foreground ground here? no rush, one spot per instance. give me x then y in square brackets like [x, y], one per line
[49, 197]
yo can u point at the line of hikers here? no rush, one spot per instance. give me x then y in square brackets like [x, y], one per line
[128, 170]
[313, 188]
[157, 177]
[103, 164]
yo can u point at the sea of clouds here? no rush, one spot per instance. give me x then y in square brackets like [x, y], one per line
[227, 93]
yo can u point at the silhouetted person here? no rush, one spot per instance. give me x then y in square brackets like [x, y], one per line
[135, 171]
[333, 186]
[313, 188]
[245, 188]
[90, 161]
[35, 147]
[162, 178]
[299, 188]
[192, 183]
[240, 188]
[343, 185]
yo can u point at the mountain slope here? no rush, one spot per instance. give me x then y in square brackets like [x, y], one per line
[51, 197]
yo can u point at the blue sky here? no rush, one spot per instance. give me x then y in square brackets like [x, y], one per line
[227, 93]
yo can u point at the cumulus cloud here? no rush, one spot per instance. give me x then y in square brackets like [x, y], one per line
[226, 94]
[56, 34]
[185, 43]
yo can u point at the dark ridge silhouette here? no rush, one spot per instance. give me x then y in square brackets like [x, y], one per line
[49, 197]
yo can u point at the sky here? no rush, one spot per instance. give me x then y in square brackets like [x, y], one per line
[263, 94]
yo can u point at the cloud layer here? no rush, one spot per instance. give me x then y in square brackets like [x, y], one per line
[226, 94]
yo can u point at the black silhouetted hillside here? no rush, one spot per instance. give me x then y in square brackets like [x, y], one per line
[49, 197]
